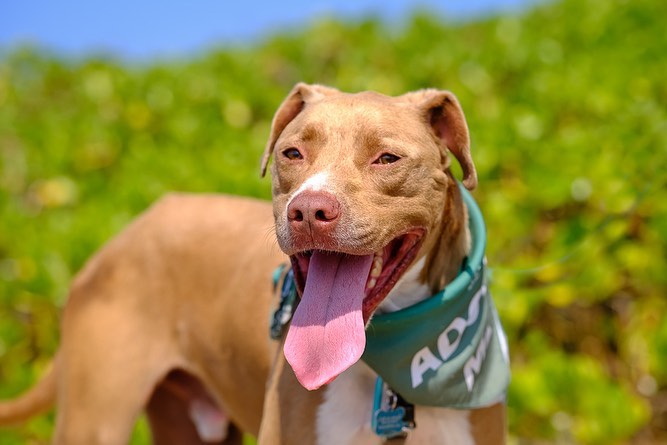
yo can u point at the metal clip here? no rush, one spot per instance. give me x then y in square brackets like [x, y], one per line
[283, 314]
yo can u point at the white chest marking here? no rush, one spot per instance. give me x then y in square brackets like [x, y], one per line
[344, 417]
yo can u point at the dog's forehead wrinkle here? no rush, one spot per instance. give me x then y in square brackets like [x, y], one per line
[312, 132]
[364, 123]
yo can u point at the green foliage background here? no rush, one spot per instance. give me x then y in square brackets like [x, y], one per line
[566, 105]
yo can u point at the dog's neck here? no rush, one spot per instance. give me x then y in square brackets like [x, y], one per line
[432, 272]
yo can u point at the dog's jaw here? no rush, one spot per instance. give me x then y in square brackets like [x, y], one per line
[389, 265]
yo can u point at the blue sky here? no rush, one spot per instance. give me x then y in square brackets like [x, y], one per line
[146, 29]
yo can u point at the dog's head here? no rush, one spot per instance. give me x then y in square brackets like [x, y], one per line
[362, 189]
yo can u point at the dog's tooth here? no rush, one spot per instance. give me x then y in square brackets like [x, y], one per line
[377, 267]
[371, 283]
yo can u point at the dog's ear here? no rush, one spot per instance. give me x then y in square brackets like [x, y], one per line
[300, 95]
[444, 114]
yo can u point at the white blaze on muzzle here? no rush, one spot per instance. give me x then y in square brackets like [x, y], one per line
[317, 182]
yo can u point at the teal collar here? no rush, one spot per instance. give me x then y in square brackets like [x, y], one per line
[450, 349]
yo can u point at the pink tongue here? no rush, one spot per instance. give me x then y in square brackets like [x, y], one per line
[327, 334]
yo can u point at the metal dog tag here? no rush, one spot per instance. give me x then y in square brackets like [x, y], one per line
[393, 417]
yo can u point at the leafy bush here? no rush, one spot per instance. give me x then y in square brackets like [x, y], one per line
[566, 105]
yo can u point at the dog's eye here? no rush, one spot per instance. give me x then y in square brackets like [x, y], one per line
[386, 158]
[292, 154]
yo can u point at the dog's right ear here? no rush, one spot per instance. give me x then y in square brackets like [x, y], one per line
[300, 95]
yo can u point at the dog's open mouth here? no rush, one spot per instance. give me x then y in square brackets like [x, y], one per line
[339, 293]
[388, 266]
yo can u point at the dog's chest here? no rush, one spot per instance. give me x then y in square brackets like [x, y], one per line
[344, 416]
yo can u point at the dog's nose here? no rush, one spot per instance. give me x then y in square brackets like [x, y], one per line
[313, 211]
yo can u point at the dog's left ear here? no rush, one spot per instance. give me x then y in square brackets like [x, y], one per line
[443, 112]
[296, 100]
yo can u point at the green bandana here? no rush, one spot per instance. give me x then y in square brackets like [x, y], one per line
[449, 350]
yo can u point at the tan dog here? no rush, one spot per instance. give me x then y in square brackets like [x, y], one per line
[172, 315]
